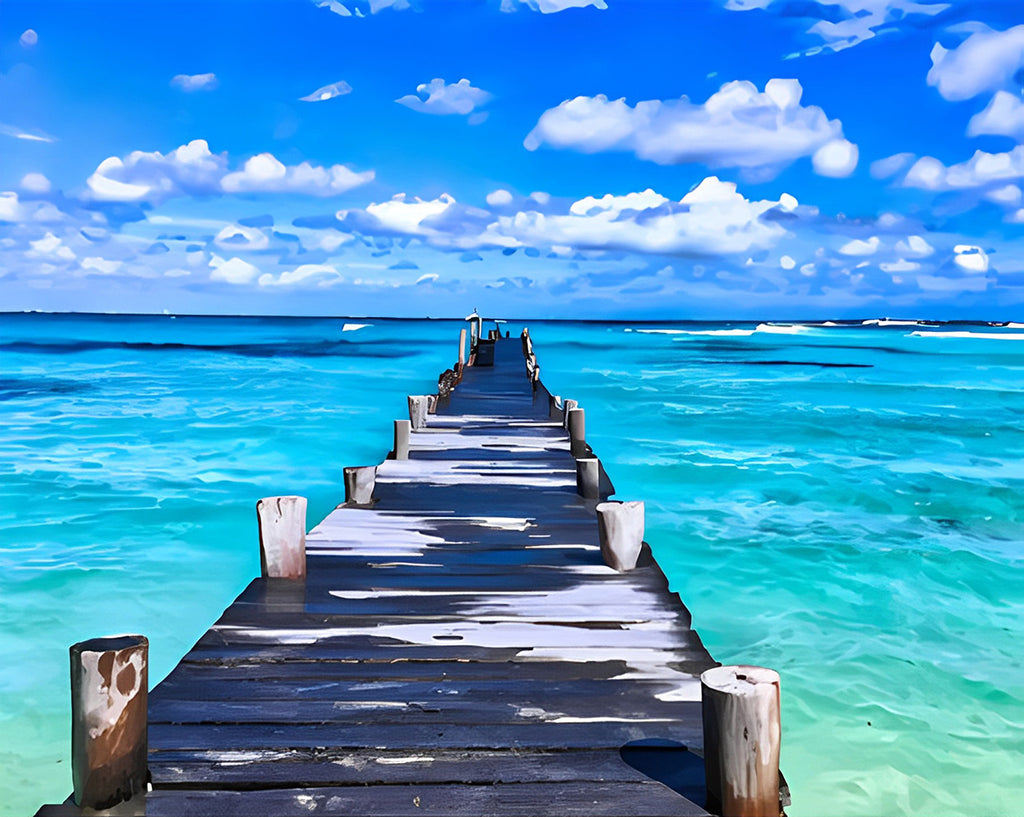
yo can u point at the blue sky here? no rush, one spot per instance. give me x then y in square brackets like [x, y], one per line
[535, 158]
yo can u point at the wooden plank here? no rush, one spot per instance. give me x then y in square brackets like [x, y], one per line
[571, 799]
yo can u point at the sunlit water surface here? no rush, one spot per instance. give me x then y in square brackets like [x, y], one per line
[844, 504]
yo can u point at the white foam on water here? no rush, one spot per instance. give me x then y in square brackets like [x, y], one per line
[352, 327]
[965, 335]
[782, 328]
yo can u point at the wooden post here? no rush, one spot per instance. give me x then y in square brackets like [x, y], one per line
[109, 692]
[401, 449]
[588, 477]
[620, 526]
[359, 484]
[742, 736]
[577, 432]
[462, 350]
[282, 521]
[567, 406]
[418, 405]
[555, 407]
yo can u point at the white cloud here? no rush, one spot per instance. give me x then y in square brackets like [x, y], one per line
[101, 265]
[861, 21]
[266, 174]
[331, 91]
[323, 274]
[193, 170]
[28, 38]
[738, 126]
[499, 198]
[402, 215]
[915, 245]
[359, 8]
[551, 6]
[891, 165]
[239, 237]
[194, 82]
[437, 97]
[427, 278]
[50, 247]
[900, 265]
[28, 136]
[233, 271]
[646, 200]
[857, 247]
[1004, 116]
[836, 159]
[10, 207]
[35, 183]
[787, 262]
[970, 258]
[986, 61]
[980, 171]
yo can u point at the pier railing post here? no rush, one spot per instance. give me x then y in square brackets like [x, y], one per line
[418, 407]
[742, 737]
[282, 521]
[359, 484]
[555, 407]
[401, 449]
[567, 406]
[577, 432]
[109, 740]
[588, 477]
[462, 350]
[620, 526]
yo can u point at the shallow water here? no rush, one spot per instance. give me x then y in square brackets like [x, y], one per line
[843, 504]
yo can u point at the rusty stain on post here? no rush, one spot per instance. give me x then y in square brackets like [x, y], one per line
[109, 744]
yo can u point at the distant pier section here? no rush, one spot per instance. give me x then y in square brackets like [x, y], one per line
[476, 630]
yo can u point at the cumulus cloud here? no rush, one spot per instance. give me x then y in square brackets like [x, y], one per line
[499, 198]
[970, 258]
[981, 171]
[239, 237]
[35, 183]
[855, 22]
[713, 218]
[194, 82]
[335, 89]
[438, 97]
[986, 61]
[857, 247]
[1004, 116]
[233, 271]
[28, 38]
[891, 165]
[322, 274]
[192, 170]
[738, 126]
[551, 6]
[50, 247]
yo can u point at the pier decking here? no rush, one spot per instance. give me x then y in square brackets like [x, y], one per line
[458, 648]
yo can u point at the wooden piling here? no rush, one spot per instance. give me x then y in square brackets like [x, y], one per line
[282, 522]
[359, 483]
[576, 421]
[418, 407]
[109, 739]
[567, 406]
[588, 477]
[462, 350]
[742, 736]
[621, 530]
[401, 449]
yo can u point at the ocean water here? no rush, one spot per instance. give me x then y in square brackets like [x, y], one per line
[844, 504]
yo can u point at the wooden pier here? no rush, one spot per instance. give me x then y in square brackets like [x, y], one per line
[458, 647]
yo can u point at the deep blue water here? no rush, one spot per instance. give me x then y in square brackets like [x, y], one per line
[844, 504]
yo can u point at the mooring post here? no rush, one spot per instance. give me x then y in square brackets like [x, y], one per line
[588, 477]
[109, 741]
[359, 484]
[567, 406]
[577, 432]
[620, 527]
[418, 406]
[742, 737]
[401, 449]
[282, 521]
[462, 350]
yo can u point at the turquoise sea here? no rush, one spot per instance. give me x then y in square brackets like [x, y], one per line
[843, 503]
